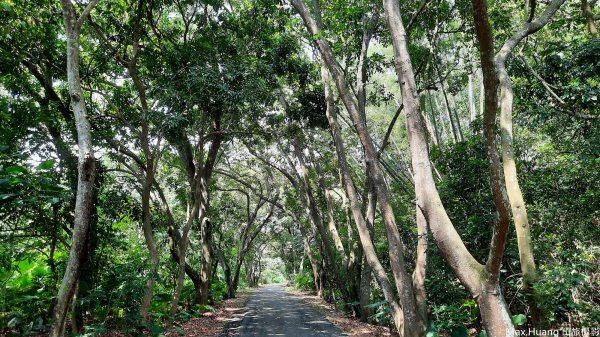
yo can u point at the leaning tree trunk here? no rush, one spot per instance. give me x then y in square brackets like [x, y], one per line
[411, 325]
[588, 14]
[314, 216]
[420, 272]
[331, 225]
[480, 281]
[86, 168]
[174, 239]
[312, 260]
[366, 274]
[515, 196]
[363, 231]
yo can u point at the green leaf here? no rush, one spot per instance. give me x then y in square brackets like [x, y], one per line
[15, 169]
[14, 322]
[6, 196]
[519, 319]
[46, 164]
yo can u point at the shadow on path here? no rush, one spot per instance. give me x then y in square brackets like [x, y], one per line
[270, 311]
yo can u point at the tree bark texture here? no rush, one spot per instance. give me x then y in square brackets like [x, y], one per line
[86, 168]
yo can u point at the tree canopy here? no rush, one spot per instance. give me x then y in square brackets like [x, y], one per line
[430, 165]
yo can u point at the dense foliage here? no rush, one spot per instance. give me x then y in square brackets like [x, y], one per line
[221, 107]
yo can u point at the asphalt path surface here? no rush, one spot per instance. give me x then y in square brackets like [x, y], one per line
[271, 311]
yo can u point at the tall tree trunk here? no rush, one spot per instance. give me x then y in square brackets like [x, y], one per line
[457, 118]
[315, 218]
[432, 110]
[588, 14]
[86, 168]
[174, 239]
[199, 173]
[236, 275]
[227, 272]
[308, 251]
[410, 324]
[420, 272]
[515, 196]
[471, 98]
[151, 245]
[193, 211]
[312, 260]
[331, 225]
[206, 258]
[366, 275]
[442, 123]
[480, 281]
[430, 129]
[149, 169]
[363, 231]
[455, 131]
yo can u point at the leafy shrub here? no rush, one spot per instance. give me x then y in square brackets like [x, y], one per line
[304, 281]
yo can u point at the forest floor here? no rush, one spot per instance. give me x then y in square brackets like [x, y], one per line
[212, 323]
[271, 308]
[351, 326]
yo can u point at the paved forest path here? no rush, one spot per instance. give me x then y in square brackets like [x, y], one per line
[271, 311]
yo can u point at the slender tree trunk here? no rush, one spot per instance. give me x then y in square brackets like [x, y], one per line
[151, 245]
[366, 275]
[456, 118]
[492, 320]
[331, 225]
[432, 110]
[315, 217]
[206, 258]
[515, 196]
[174, 239]
[236, 275]
[420, 272]
[363, 231]
[182, 244]
[430, 129]
[231, 286]
[588, 14]
[409, 324]
[76, 322]
[471, 97]
[86, 168]
[313, 264]
[308, 252]
[443, 125]
[455, 132]
[480, 281]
